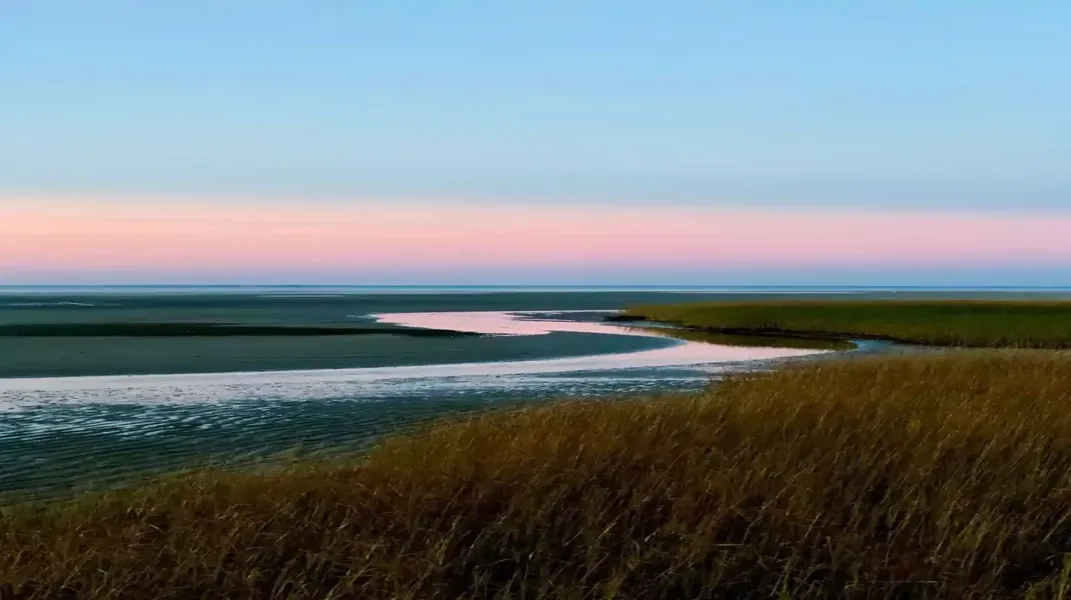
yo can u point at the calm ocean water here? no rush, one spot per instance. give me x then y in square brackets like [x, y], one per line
[76, 412]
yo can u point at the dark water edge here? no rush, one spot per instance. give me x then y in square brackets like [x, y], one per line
[85, 356]
[105, 310]
[169, 329]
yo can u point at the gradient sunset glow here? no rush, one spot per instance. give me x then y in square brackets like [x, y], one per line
[365, 242]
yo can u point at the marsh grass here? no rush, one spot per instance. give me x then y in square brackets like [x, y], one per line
[973, 323]
[921, 477]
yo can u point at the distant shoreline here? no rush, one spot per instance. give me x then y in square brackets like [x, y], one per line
[295, 290]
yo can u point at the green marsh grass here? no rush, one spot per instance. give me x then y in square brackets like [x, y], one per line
[973, 323]
[911, 477]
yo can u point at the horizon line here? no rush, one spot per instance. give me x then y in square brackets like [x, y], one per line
[532, 286]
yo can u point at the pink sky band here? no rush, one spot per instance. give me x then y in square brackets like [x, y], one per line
[213, 235]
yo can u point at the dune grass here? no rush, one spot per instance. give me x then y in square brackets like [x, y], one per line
[919, 477]
[970, 323]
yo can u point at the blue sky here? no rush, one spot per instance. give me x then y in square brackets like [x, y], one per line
[963, 105]
[158, 141]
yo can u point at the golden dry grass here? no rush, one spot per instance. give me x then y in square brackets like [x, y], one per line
[923, 477]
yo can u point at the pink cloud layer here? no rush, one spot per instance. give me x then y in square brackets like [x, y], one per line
[52, 233]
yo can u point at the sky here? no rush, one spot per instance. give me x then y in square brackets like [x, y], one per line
[488, 142]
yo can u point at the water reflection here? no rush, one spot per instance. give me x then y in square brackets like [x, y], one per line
[308, 384]
[64, 432]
